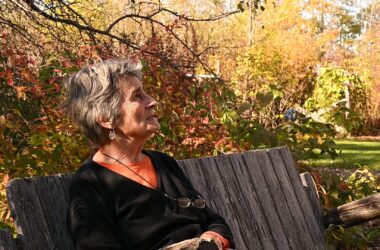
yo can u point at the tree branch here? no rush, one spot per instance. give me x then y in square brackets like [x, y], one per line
[78, 25]
[208, 19]
[150, 18]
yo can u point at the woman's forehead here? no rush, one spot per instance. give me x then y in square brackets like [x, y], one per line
[131, 84]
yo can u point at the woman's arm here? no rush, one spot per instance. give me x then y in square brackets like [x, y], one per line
[89, 218]
[218, 230]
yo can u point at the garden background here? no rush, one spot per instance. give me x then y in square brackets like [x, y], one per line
[229, 75]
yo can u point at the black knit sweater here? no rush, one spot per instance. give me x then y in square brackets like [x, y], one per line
[110, 211]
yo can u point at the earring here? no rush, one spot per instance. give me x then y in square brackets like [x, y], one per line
[112, 134]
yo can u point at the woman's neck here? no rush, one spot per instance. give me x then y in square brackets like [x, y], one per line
[127, 152]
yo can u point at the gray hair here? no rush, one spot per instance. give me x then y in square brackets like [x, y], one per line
[94, 93]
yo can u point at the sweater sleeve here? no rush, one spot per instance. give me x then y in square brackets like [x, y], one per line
[89, 218]
[225, 242]
[216, 223]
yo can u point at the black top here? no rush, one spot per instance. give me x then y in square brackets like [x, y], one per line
[110, 211]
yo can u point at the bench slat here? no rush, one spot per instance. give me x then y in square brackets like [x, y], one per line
[292, 201]
[210, 189]
[311, 191]
[65, 182]
[315, 223]
[254, 200]
[266, 201]
[54, 209]
[260, 194]
[288, 224]
[249, 232]
[6, 240]
[26, 209]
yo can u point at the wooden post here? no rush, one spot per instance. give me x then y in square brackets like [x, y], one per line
[348, 104]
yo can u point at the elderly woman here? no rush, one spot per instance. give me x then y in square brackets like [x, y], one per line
[125, 197]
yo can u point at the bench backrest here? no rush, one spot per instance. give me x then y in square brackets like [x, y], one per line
[6, 240]
[259, 193]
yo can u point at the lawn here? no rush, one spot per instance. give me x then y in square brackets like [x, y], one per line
[355, 152]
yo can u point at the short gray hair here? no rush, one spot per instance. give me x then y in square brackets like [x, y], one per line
[94, 92]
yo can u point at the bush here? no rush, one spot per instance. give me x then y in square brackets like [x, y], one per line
[304, 136]
[336, 190]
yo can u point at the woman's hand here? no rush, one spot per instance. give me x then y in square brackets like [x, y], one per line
[211, 237]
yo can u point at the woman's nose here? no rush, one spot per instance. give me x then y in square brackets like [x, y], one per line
[152, 103]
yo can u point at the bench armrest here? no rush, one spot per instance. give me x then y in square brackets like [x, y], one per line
[355, 212]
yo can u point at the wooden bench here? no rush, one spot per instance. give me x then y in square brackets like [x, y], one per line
[259, 193]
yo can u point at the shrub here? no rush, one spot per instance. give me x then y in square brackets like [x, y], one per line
[336, 190]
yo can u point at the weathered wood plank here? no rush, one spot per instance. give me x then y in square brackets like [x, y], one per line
[6, 240]
[288, 225]
[211, 190]
[54, 207]
[306, 206]
[27, 212]
[227, 206]
[65, 181]
[312, 193]
[266, 201]
[291, 199]
[262, 192]
[355, 212]
[229, 183]
[192, 169]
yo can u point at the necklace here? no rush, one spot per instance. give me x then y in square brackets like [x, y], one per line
[125, 165]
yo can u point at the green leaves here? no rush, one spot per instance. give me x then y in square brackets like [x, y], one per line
[264, 98]
[240, 6]
[345, 117]
[338, 191]
[244, 107]
[364, 183]
[338, 98]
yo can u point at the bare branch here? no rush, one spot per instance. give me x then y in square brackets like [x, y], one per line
[73, 11]
[208, 19]
[74, 19]
[77, 25]
[110, 27]
[205, 66]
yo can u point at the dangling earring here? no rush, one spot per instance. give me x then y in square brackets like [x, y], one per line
[112, 134]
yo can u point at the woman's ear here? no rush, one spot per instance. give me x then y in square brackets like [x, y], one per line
[105, 124]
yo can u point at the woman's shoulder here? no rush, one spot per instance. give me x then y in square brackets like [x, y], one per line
[157, 155]
[86, 172]
[87, 166]
[164, 161]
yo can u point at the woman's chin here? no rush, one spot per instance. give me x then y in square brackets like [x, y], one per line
[154, 128]
[153, 125]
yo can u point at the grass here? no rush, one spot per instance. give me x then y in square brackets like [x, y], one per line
[355, 153]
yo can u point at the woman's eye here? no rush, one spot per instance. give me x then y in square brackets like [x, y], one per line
[139, 96]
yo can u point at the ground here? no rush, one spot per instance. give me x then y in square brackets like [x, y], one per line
[354, 152]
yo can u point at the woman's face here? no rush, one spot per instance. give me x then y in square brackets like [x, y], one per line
[138, 120]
